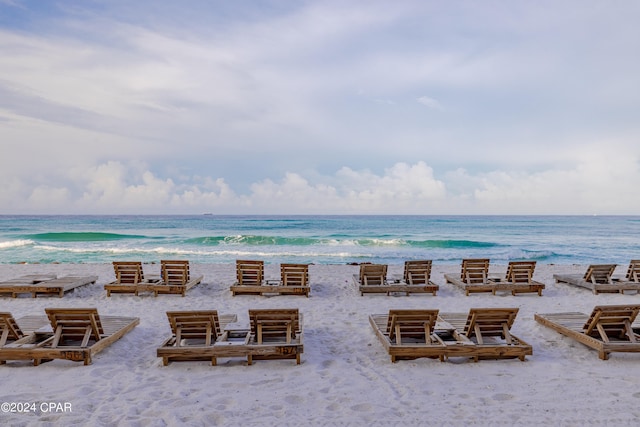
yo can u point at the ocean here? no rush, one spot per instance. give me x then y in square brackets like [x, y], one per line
[319, 239]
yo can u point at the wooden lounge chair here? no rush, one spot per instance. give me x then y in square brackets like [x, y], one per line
[598, 278]
[371, 275]
[518, 279]
[77, 334]
[12, 330]
[130, 279]
[409, 334]
[608, 329]
[175, 278]
[489, 329]
[631, 280]
[9, 329]
[416, 279]
[44, 284]
[249, 277]
[294, 279]
[473, 277]
[275, 334]
[195, 335]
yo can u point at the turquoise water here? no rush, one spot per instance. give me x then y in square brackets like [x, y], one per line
[319, 239]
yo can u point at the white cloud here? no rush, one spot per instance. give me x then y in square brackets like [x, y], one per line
[430, 103]
[222, 106]
[114, 187]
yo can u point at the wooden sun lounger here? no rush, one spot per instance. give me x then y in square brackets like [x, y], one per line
[489, 329]
[631, 281]
[130, 279]
[294, 279]
[198, 335]
[46, 284]
[608, 329]
[76, 334]
[10, 286]
[175, 278]
[415, 279]
[409, 334]
[12, 330]
[598, 278]
[473, 277]
[275, 334]
[205, 335]
[518, 279]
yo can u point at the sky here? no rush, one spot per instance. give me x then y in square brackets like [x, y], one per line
[319, 107]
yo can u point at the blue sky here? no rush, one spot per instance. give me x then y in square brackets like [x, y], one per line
[319, 107]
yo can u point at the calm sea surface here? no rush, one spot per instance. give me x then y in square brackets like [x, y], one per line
[319, 239]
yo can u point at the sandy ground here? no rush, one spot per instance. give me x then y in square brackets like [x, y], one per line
[346, 377]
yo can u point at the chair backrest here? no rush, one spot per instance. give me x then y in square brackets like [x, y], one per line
[373, 274]
[475, 271]
[9, 329]
[599, 273]
[200, 324]
[249, 272]
[75, 324]
[613, 320]
[416, 324]
[487, 322]
[275, 324]
[417, 272]
[520, 271]
[294, 274]
[633, 272]
[174, 272]
[128, 272]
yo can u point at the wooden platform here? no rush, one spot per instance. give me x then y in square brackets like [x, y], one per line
[47, 343]
[44, 285]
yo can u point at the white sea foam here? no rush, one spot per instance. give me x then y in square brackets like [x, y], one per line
[15, 243]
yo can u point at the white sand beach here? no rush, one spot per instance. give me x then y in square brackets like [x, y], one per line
[345, 378]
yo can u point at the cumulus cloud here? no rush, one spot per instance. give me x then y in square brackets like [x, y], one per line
[115, 187]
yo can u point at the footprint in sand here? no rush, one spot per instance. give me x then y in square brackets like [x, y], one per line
[361, 407]
[502, 397]
[294, 399]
